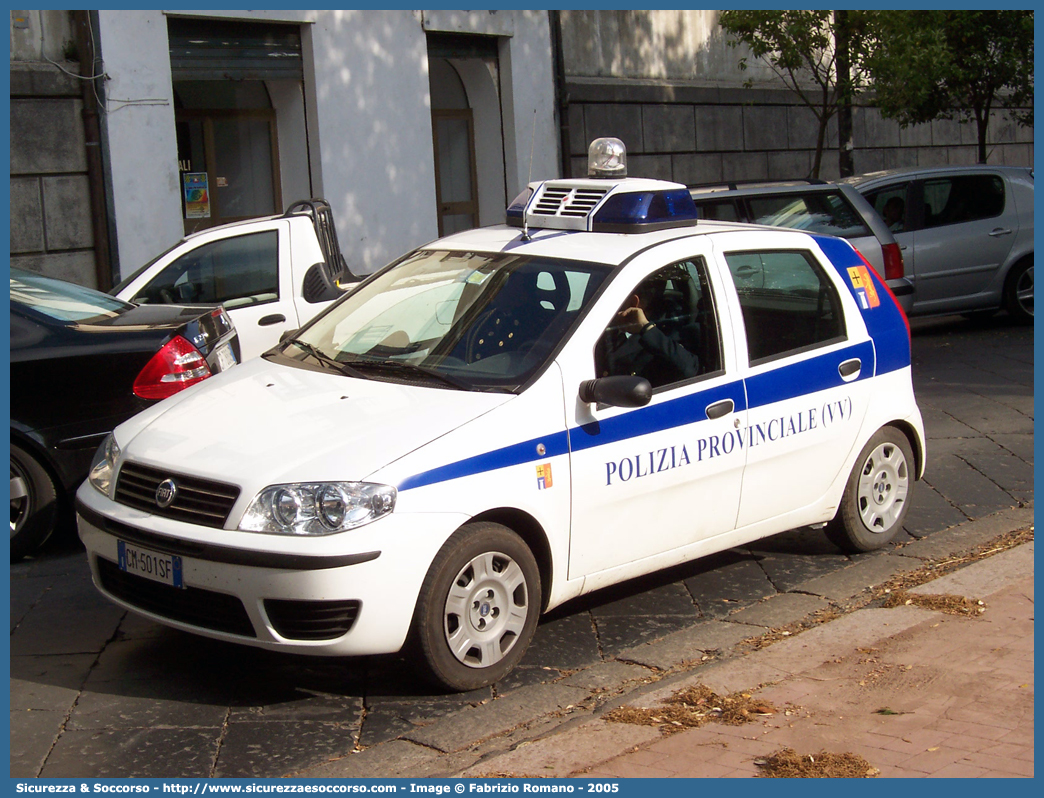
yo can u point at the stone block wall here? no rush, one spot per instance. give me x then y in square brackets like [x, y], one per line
[692, 134]
[50, 196]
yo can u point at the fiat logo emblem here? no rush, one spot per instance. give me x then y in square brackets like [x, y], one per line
[166, 492]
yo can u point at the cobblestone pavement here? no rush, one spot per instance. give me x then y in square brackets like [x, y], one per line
[98, 692]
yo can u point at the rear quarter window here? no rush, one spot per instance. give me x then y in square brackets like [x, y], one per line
[823, 212]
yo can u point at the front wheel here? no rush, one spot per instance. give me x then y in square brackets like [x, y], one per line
[478, 607]
[34, 504]
[876, 497]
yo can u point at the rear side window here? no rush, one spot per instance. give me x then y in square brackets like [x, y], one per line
[718, 210]
[966, 198]
[236, 271]
[823, 212]
[789, 304]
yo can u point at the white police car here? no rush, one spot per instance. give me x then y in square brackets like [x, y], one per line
[508, 418]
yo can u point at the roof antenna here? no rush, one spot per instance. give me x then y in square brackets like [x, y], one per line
[525, 210]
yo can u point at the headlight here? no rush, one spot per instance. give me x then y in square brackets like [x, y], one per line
[103, 466]
[317, 508]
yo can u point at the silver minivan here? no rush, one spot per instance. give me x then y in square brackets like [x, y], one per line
[966, 234]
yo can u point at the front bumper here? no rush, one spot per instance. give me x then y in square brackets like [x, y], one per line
[351, 596]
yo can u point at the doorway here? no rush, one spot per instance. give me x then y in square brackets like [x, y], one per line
[467, 132]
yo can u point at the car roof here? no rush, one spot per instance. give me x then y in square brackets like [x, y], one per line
[858, 180]
[709, 191]
[611, 249]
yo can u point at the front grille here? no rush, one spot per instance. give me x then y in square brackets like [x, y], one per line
[569, 202]
[311, 620]
[198, 501]
[195, 606]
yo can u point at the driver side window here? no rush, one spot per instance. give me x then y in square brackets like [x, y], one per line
[666, 331]
[236, 271]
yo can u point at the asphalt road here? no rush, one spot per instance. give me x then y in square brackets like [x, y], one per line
[96, 692]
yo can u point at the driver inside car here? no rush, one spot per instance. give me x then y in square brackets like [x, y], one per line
[654, 334]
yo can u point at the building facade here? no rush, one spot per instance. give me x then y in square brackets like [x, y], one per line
[130, 128]
[410, 123]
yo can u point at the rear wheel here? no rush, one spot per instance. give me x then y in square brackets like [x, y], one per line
[1018, 291]
[876, 497]
[34, 504]
[478, 607]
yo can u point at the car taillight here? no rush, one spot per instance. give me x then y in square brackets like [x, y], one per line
[899, 307]
[893, 262]
[175, 367]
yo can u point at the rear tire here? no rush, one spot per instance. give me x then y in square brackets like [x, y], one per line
[876, 497]
[34, 504]
[1018, 291]
[478, 607]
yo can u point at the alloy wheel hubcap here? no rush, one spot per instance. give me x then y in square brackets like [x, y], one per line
[486, 610]
[884, 484]
[1024, 291]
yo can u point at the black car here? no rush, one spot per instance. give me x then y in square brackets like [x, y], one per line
[81, 363]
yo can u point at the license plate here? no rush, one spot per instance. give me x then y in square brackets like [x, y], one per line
[164, 568]
[226, 358]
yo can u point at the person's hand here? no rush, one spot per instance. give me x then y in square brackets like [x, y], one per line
[632, 320]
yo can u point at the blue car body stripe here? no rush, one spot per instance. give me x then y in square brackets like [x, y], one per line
[807, 376]
[885, 322]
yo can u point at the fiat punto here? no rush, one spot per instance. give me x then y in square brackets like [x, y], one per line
[511, 417]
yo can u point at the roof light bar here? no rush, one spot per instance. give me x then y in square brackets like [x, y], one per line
[607, 158]
[606, 202]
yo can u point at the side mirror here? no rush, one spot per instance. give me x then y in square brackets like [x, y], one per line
[317, 286]
[623, 391]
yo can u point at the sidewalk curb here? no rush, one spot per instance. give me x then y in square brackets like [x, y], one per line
[576, 750]
[553, 720]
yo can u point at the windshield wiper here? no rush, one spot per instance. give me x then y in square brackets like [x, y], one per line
[398, 365]
[325, 359]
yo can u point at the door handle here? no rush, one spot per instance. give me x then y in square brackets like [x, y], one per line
[719, 409]
[268, 321]
[999, 231]
[850, 369]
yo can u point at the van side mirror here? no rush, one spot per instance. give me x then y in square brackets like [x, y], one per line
[317, 286]
[621, 391]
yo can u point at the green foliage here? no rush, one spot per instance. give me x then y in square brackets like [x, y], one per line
[953, 65]
[799, 46]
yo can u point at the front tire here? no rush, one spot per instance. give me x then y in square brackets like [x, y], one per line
[876, 498]
[34, 504]
[478, 607]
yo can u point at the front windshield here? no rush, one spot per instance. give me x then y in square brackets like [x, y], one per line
[462, 319]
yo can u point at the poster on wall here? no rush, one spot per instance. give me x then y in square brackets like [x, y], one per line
[197, 195]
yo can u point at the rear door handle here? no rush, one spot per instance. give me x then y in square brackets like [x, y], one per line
[999, 231]
[268, 321]
[850, 369]
[719, 409]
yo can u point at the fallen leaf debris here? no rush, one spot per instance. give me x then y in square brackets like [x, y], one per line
[788, 764]
[693, 707]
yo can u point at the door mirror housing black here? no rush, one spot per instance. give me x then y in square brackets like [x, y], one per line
[621, 391]
[318, 287]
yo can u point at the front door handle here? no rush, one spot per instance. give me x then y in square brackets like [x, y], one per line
[268, 321]
[999, 231]
[850, 369]
[719, 409]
